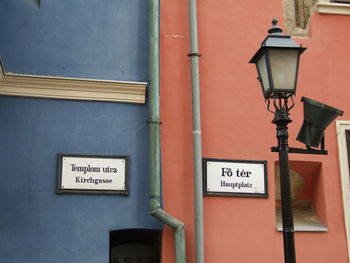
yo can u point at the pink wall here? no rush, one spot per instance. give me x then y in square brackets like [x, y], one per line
[236, 125]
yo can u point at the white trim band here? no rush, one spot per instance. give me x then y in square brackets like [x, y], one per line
[71, 88]
[327, 7]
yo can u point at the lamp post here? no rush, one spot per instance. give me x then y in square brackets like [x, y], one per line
[277, 63]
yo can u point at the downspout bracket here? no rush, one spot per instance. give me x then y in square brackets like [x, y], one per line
[154, 121]
[194, 55]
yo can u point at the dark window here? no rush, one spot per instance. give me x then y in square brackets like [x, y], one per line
[341, 1]
[347, 136]
[135, 246]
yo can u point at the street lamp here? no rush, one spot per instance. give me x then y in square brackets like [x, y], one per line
[277, 63]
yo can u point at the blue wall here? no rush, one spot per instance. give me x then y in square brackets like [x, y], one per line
[76, 38]
[37, 225]
[82, 39]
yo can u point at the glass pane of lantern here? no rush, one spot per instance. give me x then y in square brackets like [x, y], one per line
[263, 74]
[283, 68]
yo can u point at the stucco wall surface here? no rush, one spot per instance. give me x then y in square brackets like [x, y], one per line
[38, 225]
[236, 125]
[81, 39]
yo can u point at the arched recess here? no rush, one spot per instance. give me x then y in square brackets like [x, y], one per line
[135, 246]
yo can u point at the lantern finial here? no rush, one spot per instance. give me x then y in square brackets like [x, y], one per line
[275, 29]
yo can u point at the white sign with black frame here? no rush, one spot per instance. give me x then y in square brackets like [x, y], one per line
[235, 178]
[92, 174]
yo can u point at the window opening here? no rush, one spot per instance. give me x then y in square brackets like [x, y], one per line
[341, 1]
[347, 137]
[343, 131]
[135, 246]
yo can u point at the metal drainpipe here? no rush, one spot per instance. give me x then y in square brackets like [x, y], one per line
[154, 137]
[197, 134]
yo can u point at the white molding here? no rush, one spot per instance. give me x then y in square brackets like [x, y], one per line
[71, 88]
[341, 127]
[327, 7]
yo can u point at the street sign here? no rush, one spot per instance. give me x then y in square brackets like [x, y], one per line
[92, 174]
[235, 178]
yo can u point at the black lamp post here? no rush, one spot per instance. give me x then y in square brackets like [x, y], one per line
[277, 63]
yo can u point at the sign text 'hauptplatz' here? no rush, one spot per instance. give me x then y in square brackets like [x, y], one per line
[235, 178]
[92, 174]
